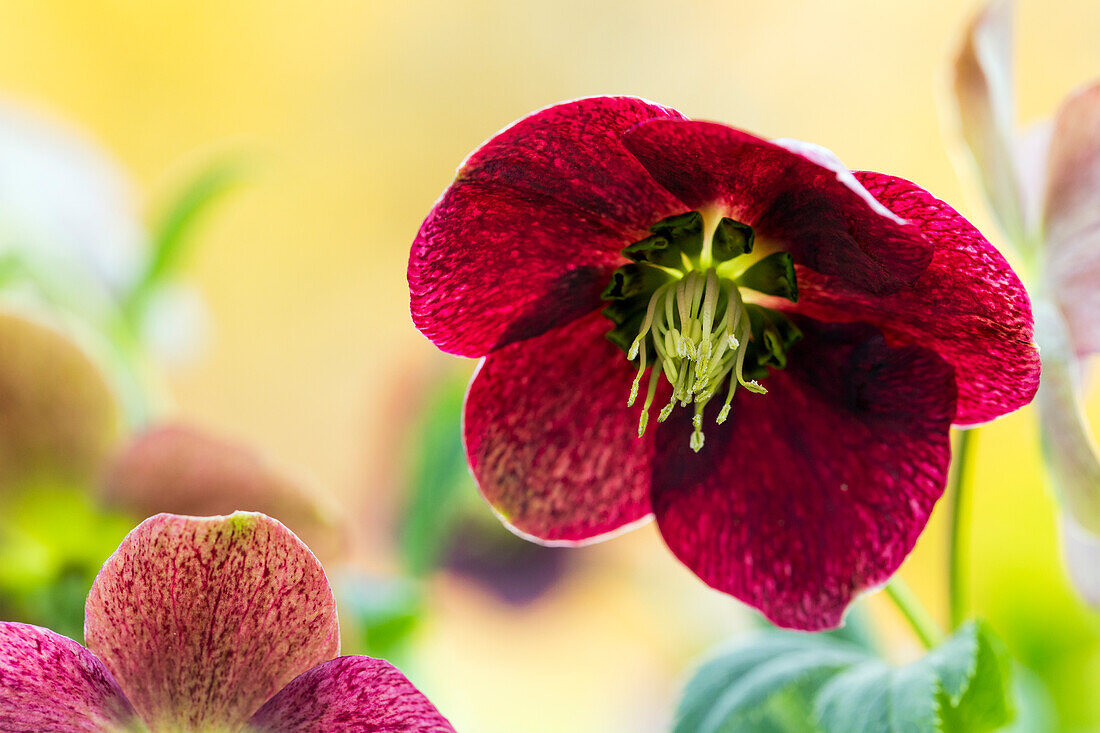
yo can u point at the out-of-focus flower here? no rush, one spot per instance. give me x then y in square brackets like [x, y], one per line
[444, 525]
[68, 216]
[59, 420]
[73, 245]
[1044, 188]
[215, 623]
[178, 469]
[514, 571]
[833, 324]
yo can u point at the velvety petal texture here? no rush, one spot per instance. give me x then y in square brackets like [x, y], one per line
[1072, 217]
[51, 684]
[968, 306]
[201, 620]
[59, 420]
[550, 439]
[526, 237]
[817, 490]
[350, 694]
[180, 469]
[982, 79]
[806, 495]
[796, 196]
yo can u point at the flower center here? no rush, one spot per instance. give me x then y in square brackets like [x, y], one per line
[679, 311]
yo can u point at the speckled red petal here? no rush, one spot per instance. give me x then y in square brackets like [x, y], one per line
[817, 490]
[573, 153]
[969, 306]
[350, 694]
[805, 202]
[526, 237]
[492, 266]
[51, 684]
[550, 439]
[201, 620]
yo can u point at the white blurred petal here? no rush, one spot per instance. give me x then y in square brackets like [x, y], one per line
[1082, 555]
[175, 324]
[982, 82]
[1070, 452]
[1071, 217]
[1032, 151]
[64, 203]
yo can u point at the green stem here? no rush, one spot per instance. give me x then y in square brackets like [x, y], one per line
[957, 545]
[914, 612]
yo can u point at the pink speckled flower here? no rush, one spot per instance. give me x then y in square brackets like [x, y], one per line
[822, 329]
[205, 624]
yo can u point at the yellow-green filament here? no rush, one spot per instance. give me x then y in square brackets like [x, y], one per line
[697, 347]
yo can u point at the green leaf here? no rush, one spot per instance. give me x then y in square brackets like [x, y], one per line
[438, 475]
[172, 231]
[738, 684]
[796, 682]
[379, 615]
[53, 540]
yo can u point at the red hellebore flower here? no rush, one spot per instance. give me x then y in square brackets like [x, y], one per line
[821, 328]
[205, 624]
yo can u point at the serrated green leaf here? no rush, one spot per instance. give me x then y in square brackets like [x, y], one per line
[774, 678]
[960, 686]
[874, 696]
[749, 673]
[984, 703]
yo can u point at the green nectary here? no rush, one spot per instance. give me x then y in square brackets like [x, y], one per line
[679, 311]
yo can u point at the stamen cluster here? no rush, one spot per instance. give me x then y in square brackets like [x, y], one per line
[693, 352]
[678, 310]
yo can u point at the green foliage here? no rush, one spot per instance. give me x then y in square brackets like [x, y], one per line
[53, 541]
[437, 475]
[785, 681]
[173, 229]
[378, 615]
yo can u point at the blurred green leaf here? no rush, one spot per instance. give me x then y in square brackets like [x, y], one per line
[437, 474]
[788, 681]
[172, 230]
[379, 615]
[53, 541]
[1035, 711]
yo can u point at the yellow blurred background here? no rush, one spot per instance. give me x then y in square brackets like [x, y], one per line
[358, 113]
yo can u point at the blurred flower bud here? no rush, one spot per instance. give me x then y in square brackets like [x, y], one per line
[178, 469]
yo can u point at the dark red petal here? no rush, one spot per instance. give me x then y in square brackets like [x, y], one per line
[527, 235]
[796, 196]
[969, 306]
[817, 490]
[573, 153]
[492, 266]
[550, 439]
[349, 694]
